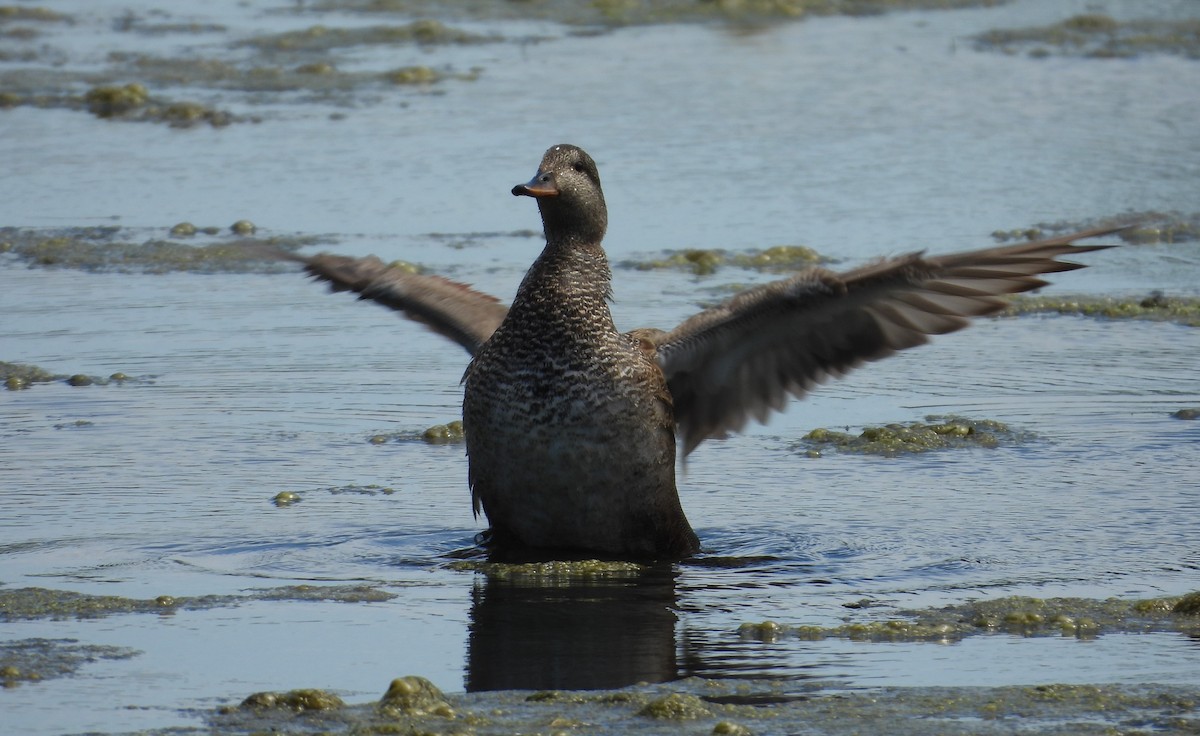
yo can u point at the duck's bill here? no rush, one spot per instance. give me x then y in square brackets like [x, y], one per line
[536, 187]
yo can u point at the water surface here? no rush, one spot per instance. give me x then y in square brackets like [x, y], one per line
[855, 136]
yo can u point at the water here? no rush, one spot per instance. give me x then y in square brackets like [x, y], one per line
[856, 136]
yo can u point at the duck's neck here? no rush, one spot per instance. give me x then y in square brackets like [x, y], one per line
[574, 269]
[568, 286]
[570, 225]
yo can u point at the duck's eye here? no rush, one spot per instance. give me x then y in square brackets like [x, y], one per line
[578, 167]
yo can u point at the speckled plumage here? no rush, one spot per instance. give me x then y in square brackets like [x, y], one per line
[570, 425]
[570, 433]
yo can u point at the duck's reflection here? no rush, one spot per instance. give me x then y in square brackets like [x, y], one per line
[572, 631]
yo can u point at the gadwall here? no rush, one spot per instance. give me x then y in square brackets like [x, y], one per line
[571, 425]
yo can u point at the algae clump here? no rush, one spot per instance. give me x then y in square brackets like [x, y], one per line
[443, 434]
[676, 707]
[935, 433]
[109, 102]
[414, 696]
[298, 701]
[1099, 36]
[413, 75]
[285, 498]
[1154, 308]
[702, 262]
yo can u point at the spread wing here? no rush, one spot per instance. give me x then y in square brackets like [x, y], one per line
[747, 356]
[455, 310]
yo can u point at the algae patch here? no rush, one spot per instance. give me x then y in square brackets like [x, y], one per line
[126, 250]
[18, 376]
[935, 433]
[295, 701]
[35, 660]
[324, 38]
[442, 434]
[414, 696]
[695, 706]
[1146, 227]
[42, 603]
[552, 572]
[615, 13]
[130, 102]
[702, 262]
[1154, 308]
[1098, 36]
[450, 433]
[1081, 618]
[10, 13]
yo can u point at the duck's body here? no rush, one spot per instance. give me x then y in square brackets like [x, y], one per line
[570, 425]
[569, 429]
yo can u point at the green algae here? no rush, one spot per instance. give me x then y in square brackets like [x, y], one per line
[285, 498]
[1188, 605]
[450, 433]
[37, 660]
[133, 102]
[243, 227]
[444, 434]
[295, 701]
[288, 498]
[702, 262]
[10, 13]
[1081, 618]
[1154, 308]
[935, 433]
[551, 573]
[1143, 227]
[1188, 413]
[459, 241]
[697, 706]
[19, 604]
[18, 376]
[110, 102]
[413, 75]
[676, 707]
[322, 38]
[1095, 35]
[321, 79]
[123, 250]
[414, 696]
[615, 13]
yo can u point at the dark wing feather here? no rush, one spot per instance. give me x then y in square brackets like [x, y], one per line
[747, 356]
[455, 310]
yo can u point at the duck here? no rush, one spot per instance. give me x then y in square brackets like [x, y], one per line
[573, 427]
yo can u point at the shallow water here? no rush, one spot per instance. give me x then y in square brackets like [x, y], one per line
[856, 136]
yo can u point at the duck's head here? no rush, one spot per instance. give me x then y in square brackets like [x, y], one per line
[567, 190]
